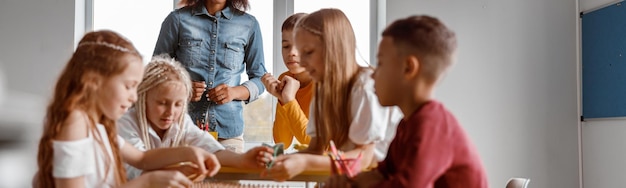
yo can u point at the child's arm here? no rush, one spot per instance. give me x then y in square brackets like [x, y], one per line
[367, 152]
[75, 129]
[161, 157]
[280, 130]
[292, 123]
[253, 158]
[162, 178]
[288, 166]
[70, 182]
[296, 121]
[204, 140]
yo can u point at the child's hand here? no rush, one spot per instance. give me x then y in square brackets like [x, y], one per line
[207, 162]
[211, 163]
[198, 88]
[286, 167]
[188, 169]
[339, 181]
[289, 89]
[257, 157]
[166, 178]
[271, 85]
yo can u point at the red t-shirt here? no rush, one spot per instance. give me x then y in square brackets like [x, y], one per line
[431, 149]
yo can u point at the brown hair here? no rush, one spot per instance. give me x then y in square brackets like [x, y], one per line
[238, 5]
[428, 39]
[332, 96]
[161, 69]
[97, 57]
[291, 21]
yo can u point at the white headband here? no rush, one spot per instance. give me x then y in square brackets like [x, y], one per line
[116, 47]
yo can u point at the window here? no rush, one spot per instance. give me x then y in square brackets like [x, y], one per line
[137, 20]
[258, 116]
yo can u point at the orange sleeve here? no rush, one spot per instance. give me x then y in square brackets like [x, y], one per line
[297, 121]
[281, 131]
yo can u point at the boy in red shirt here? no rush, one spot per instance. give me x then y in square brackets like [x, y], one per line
[430, 148]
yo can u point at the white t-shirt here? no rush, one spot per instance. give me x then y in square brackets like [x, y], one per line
[128, 128]
[371, 122]
[85, 157]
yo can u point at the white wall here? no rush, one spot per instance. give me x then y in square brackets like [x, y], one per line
[604, 143]
[36, 40]
[513, 88]
[514, 85]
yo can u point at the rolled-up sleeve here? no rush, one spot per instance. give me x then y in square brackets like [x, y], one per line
[255, 63]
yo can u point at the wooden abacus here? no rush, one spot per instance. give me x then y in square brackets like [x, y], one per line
[216, 184]
[230, 177]
[227, 177]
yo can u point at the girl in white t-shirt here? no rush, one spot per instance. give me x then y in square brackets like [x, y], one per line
[159, 118]
[80, 146]
[345, 108]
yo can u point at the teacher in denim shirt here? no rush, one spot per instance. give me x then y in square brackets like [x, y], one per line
[216, 41]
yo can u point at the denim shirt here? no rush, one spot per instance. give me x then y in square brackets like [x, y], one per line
[216, 49]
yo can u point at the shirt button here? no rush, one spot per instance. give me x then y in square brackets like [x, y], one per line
[210, 83]
[210, 68]
[212, 51]
[214, 35]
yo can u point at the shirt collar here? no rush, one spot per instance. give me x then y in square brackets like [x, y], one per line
[201, 9]
[170, 133]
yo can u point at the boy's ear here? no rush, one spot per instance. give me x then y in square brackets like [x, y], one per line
[411, 66]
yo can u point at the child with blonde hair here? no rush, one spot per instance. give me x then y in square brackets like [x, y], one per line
[430, 149]
[80, 146]
[159, 118]
[293, 89]
[345, 109]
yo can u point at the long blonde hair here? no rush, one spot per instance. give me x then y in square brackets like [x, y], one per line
[98, 57]
[161, 69]
[332, 95]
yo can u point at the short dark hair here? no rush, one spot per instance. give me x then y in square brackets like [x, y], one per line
[428, 39]
[291, 21]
